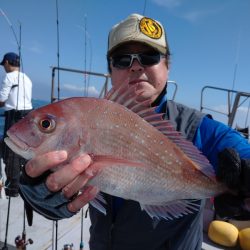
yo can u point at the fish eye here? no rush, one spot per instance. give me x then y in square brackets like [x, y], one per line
[47, 124]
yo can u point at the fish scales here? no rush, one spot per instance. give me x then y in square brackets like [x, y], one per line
[144, 164]
[157, 171]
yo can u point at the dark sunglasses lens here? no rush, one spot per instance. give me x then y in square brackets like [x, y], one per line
[122, 61]
[146, 59]
[150, 59]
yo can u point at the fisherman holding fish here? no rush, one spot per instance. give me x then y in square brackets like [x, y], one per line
[153, 175]
[15, 97]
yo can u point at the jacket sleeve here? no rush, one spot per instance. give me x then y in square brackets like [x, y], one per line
[213, 137]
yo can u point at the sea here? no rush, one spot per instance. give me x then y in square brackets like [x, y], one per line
[36, 104]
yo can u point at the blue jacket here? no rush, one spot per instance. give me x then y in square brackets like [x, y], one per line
[211, 137]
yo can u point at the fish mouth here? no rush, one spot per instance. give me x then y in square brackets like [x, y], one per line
[18, 146]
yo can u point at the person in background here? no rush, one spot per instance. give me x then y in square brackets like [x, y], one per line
[15, 97]
[138, 54]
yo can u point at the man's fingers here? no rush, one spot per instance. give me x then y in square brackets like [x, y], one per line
[82, 199]
[68, 173]
[40, 164]
[73, 187]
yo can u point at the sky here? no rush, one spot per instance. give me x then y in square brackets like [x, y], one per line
[209, 43]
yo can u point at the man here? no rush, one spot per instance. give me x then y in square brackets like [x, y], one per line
[15, 97]
[138, 54]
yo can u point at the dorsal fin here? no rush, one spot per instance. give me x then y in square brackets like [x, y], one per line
[126, 96]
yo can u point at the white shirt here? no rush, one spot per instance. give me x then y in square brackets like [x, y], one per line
[16, 91]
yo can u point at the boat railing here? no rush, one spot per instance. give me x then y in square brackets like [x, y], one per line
[235, 99]
[172, 85]
[83, 72]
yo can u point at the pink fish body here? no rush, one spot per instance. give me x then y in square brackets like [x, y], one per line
[130, 146]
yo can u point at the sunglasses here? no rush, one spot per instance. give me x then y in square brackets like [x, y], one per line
[145, 59]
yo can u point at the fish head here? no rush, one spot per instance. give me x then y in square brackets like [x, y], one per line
[51, 127]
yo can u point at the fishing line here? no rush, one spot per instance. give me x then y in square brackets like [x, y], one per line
[85, 56]
[21, 65]
[144, 8]
[58, 50]
[11, 26]
[18, 80]
[248, 110]
[87, 36]
[18, 42]
[90, 60]
[236, 63]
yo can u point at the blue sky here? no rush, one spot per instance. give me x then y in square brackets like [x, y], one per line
[209, 41]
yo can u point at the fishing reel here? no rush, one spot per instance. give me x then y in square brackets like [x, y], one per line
[21, 242]
[68, 247]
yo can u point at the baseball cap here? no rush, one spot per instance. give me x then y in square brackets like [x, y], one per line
[12, 58]
[138, 28]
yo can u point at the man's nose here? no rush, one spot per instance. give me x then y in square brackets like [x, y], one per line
[136, 66]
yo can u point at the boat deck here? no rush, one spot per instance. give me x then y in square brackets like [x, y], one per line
[69, 230]
[42, 232]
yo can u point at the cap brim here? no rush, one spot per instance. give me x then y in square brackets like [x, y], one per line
[148, 43]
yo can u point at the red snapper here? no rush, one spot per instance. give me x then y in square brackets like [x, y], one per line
[138, 155]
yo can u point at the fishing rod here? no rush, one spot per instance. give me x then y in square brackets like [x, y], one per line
[81, 243]
[5, 247]
[55, 223]
[21, 241]
[11, 27]
[54, 234]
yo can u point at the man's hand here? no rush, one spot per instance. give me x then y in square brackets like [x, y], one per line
[57, 185]
[233, 171]
[245, 173]
[229, 168]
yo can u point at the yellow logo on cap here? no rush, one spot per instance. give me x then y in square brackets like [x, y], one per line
[150, 28]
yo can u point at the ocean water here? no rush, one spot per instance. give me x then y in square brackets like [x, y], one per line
[35, 103]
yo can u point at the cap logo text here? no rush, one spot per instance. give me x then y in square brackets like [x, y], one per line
[150, 28]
